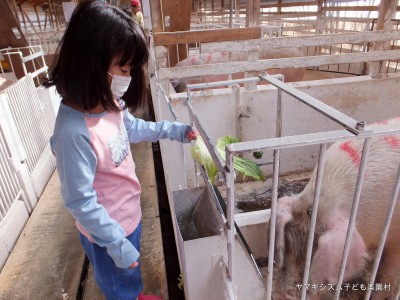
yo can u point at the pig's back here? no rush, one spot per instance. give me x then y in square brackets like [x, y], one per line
[342, 164]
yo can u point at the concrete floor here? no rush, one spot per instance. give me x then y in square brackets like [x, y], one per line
[47, 261]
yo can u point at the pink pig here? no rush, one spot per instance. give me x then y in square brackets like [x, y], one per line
[291, 74]
[341, 166]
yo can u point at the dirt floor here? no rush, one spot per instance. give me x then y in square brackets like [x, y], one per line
[256, 195]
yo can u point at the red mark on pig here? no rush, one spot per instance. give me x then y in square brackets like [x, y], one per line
[393, 141]
[224, 53]
[194, 60]
[384, 122]
[355, 157]
[209, 58]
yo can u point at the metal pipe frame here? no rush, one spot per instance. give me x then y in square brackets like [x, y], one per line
[388, 219]
[352, 130]
[318, 182]
[333, 114]
[230, 212]
[276, 144]
[220, 83]
[287, 142]
[272, 228]
[354, 209]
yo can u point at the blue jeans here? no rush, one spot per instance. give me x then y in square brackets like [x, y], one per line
[114, 282]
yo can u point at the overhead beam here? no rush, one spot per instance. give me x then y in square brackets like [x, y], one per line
[206, 36]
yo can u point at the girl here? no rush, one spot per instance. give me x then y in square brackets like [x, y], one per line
[100, 73]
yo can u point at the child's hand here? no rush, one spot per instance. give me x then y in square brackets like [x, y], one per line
[192, 135]
[134, 265]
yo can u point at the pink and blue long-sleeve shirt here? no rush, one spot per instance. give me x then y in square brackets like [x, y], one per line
[97, 173]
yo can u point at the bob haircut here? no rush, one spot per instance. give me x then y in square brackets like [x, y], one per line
[97, 33]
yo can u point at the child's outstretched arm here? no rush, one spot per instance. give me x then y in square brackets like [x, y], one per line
[140, 130]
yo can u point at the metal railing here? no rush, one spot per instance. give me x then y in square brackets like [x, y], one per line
[10, 187]
[352, 129]
[24, 55]
[29, 117]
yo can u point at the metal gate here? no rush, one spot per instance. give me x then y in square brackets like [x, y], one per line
[26, 161]
[31, 131]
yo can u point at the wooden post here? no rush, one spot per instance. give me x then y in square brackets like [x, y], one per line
[253, 13]
[387, 11]
[249, 14]
[320, 25]
[237, 11]
[156, 16]
[177, 13]
[319, 29]
[37, 16]
[256, 12]
[231, 7]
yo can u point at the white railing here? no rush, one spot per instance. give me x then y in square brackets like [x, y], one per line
[10, 188]
[294, 62]
[26, 162]
[32, 127]
[28, 115]
[23, 55]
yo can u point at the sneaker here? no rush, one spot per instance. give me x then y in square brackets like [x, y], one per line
[148, 297]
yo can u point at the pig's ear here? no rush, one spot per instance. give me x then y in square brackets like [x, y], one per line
[327, 259]
[283, 216]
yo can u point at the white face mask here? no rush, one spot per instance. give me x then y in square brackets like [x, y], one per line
[119, 85]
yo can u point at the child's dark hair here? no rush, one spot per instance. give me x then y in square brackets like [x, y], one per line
[98, 32]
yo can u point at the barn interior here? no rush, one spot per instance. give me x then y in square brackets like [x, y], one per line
[257, 70]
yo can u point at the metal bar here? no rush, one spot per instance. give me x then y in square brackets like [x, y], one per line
[229, 286]
[274, 200]
[279, 111]
[17, 50]
[354, 208]
[189, 100]
[164, 95]
[218, 160]
[326, 110]
[39, 71]
[318, 183]
[23, 64]
[287, 142]
[219, 83]
[238, 108]
[222, 205]
[230, 212]
[213, 194]
[388, 219]
[194, 161]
